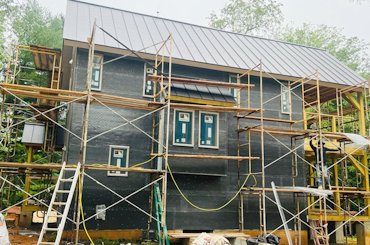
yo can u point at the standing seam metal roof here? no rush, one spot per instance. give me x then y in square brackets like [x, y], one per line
[203, 44]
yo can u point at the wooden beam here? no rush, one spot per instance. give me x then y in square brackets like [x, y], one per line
[201, 82]
[358, 166]
[208, 157]
[352, 100]
[267, 119]
[56, 166]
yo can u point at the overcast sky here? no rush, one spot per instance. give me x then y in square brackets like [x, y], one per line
[349, 15]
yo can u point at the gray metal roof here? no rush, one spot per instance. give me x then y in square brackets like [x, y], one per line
[203, 44]
[202, 92]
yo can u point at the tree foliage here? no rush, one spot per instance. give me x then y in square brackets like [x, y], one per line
[352, 51]
[248, 16]
[36, 25]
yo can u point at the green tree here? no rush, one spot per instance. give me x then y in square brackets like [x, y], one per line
[352, 51]
[248, 16]
[36, 25]
[6, 10]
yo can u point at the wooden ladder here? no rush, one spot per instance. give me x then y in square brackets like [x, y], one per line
[319, 232]
[64, 205]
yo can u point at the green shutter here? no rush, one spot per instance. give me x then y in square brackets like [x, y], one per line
[208, 129]
[183, 127]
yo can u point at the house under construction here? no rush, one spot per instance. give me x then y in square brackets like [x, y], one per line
[162, 129]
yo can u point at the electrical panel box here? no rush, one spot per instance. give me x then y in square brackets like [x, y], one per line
[208, 130]
[100, 212]
[33, 133]
[183, 128]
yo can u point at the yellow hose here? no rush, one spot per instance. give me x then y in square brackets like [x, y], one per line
[82, 214]
[81, 206]
[209, 209]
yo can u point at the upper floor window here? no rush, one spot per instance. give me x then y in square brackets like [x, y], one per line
[234, 92]
[208, 129]
[148, 86]
[183, 131]
[285, 100]
[118, 157]
[97, 72]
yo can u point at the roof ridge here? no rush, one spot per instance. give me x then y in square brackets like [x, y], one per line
[207, 27]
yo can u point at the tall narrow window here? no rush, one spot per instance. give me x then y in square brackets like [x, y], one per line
[208, 130]
[233, 79]
[285, 100]
[183, 128]
[97, 72]
[118, 157]
[148, 87]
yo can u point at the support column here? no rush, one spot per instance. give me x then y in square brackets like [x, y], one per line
[27, 182]
[363, 233]
[339, 234]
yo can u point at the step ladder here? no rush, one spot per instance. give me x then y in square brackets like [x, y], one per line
[162, 230]
[319, 232]
[63, 205]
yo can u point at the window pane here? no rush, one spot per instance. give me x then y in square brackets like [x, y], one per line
[208, 129]
[118, 159]
[285, 100]
[233, 79]
[97, 72]
[149, 90]
[183, 127]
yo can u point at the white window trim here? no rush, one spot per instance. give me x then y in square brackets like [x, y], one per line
[235, 93]
[192, 128]
[144, 83]
[217, 130]
[289, 100]
[101, 73]
[110, 157]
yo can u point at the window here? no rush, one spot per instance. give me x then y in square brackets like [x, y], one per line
[208, 130]
[285, 100]
[233, 91]
[183, 128]
[97, 72]
[148, 86]
[118, 157]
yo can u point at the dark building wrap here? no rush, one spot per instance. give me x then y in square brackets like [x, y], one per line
[207, 183]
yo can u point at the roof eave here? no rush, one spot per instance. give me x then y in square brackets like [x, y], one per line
[191, 63]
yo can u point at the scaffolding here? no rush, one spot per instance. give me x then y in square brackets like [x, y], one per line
[350, 108]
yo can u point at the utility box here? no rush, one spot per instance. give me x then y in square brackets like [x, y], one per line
[33, 134]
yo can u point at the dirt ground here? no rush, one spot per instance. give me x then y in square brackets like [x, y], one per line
[17, 238]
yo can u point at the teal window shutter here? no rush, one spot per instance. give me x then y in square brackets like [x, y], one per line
[208, 129]
[183, 128]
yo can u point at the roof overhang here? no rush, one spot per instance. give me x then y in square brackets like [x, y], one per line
[119, 51]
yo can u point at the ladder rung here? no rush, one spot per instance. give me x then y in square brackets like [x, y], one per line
[59, 203]
[66, 180]
[63, 191]
[51, 229]
[69, 169]
[56, 215]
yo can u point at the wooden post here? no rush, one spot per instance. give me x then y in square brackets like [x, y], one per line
[27, 181]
